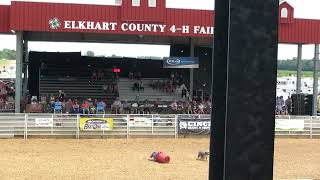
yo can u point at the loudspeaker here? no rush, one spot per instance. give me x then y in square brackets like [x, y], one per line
[298, 104]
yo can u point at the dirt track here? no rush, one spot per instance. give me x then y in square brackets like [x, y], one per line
[128, 159]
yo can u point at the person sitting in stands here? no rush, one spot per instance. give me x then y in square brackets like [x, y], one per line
[100, 75]
[93, 109]
[174, 105]
[43, 69]
[2, 103]
[116, 105]
[75, 107]
[102, 104]
[69, 106]
[139, 75]
[131, 76]
[61, 96]
[94, 75]
[34, 100]
[141, 85]
[85, 107]
[147, 107]
[136, 86]
[127, 107]
[52, 100]
[105, 88]
[201, 108]
[184, 92]
[114, 88]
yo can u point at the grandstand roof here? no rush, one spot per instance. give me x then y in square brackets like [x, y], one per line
[143, 20]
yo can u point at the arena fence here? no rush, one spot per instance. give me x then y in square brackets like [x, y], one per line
[130, 126]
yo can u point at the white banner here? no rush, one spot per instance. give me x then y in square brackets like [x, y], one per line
[140, 122]
[290, 124]
[44, 122]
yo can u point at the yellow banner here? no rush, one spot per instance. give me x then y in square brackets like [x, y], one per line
[96, 124]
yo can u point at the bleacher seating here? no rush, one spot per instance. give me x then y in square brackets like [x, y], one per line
[74, 78]
[126, 93]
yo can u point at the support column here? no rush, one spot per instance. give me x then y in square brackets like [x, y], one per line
[191, 70]
[244, 90]
[315, 80]
[299, 69]
[25, 67]
[19, 60]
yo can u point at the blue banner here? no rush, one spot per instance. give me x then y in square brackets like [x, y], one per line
[181, 62]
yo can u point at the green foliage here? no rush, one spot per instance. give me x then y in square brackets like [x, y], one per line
[8, 54]
[291, 65]
[90, 53]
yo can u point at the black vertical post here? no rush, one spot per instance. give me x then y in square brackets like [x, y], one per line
[244, 89]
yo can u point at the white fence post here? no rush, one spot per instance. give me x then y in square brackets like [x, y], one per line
[311, 127]
[52, 124]
[152, 121]
[78, 126]
[176, 126]
[128, 126]
[26, 126]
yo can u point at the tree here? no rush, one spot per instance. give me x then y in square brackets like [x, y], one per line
[8, 54]
[90, 53]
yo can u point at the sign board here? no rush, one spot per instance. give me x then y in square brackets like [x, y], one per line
[194, 126]
[44, 122]
[181, 62]
[290, 124]
[96, 124]
[140, 122]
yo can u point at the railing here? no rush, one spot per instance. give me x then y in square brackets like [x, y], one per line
[129, 126]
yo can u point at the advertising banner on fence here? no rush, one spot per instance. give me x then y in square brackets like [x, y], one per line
[181, 62]
[140, 122]
[290, 124]
[96, 124]
[194, 126]
[44, 122]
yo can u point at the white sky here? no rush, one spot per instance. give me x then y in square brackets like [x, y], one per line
[303, 9]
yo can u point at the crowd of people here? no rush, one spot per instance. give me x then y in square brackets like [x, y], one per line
[7, 92]
[283, 107]
[170, 84]
[62, 104]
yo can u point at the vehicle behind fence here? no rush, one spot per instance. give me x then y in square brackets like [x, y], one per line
[128, 126]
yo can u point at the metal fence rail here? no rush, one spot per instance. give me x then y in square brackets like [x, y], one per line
[68, 126]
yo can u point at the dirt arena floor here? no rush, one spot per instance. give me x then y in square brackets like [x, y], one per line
[128, 159]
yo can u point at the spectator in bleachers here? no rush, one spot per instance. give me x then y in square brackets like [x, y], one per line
[131, 76]
[139, 75]
[116, 106]
[127, 107]
[174, 105]
[69, 106]
[288, 104]
[85, 107]
[62, 96]
[2, 103]
[105, 88]
[52, 99]
[75, 107]
[184, 92]
[43, 69]
[138, 85]
[147, 107]
[201, 108]
[188, 107]
[172, 76]
[94, 75]
[100, 75]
